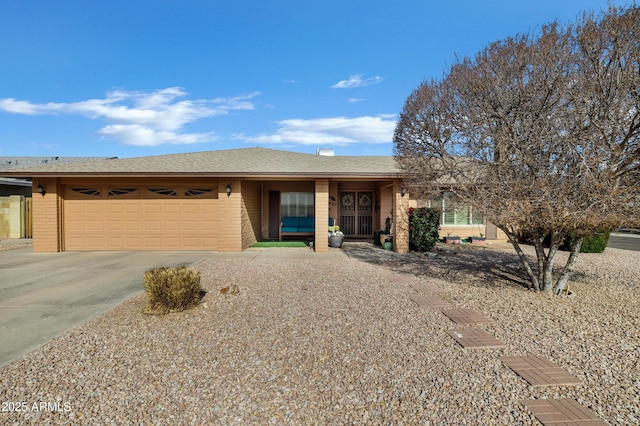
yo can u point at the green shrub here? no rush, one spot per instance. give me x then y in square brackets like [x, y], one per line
[171, 289]
[592, 243]
[595, 243]
[423, 228]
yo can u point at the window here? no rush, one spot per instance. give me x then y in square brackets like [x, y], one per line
[87, 191]
[297, 204]
[454, 212]
[197, 192]
[114, 192]
[169, 192]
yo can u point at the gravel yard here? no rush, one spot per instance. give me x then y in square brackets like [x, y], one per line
[340, 342]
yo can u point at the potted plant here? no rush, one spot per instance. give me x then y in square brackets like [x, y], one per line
[452, 239]
[387, 231]
[336, 237]
[481, 240]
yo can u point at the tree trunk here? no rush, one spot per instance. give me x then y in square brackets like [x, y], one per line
[548, 261]
[535, 283]
[568, 268]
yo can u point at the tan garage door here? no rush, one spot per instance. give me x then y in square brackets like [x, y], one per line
[140, 218]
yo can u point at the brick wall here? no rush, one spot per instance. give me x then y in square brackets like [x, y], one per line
[229, 217]
[46, 217]
[400, 219]
[322, 215]
[251, 212]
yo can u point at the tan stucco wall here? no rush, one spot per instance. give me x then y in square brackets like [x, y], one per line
[386, 205]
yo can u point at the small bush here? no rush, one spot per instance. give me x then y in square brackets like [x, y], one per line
[592, 243]
[595, 243]
[171, 289]
[423, 228]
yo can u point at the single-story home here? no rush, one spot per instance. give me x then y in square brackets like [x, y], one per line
[223, 200]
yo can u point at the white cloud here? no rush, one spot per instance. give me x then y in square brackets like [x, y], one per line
[357, 81]
[134, 134]
[355, 100]
[338, 131]
[142, 118]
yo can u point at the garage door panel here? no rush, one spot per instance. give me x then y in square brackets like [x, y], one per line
[133, 225]
[171, 225]
[151, 208]
[152, 226]
[190, 225]
[113, 208]
[93, 223]
[133, 207]
[114, 225]
[94, 207]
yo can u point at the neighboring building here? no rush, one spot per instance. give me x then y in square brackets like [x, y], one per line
[15, 194]
[215, 200]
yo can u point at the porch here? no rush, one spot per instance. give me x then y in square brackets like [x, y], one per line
[358, 207]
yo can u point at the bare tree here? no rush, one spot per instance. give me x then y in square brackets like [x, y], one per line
[539, 132]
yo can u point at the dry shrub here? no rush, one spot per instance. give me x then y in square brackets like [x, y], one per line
[171, 289]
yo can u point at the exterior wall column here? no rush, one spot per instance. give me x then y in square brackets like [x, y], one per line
[230, 215]
[47, 220]
[321, 240]
[400, 219]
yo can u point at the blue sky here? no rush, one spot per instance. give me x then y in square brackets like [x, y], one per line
[136, 77]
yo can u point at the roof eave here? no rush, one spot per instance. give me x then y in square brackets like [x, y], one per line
[329, 175]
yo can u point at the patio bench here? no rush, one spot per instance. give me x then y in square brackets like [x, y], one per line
[297, 226]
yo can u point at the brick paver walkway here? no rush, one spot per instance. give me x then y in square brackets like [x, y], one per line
[429, 300]
[536, 370]
[475, 338]
[466, 316]
[539, 371]
[561, 411]
[427, 288]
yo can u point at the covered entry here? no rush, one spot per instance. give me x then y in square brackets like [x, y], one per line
[356, 213]
[140, 217]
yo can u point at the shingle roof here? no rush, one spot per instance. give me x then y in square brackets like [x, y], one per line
[233, 162]
[7, 163]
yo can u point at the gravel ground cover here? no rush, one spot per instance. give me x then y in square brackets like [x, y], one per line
[12, 244]
[340, 342]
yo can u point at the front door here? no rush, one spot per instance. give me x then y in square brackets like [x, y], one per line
[356, 213]
[274, 214]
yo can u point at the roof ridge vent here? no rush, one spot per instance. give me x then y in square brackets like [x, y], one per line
[325, 151]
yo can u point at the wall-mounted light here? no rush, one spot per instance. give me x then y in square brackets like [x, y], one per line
[228, 189]
[41, 189]
[403, 192]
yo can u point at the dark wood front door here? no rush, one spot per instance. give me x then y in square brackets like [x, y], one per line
[274, 214]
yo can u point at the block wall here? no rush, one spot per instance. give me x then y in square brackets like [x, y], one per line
[251, 212]
[46, 216]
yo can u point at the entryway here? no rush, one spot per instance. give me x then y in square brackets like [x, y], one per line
[356, 213]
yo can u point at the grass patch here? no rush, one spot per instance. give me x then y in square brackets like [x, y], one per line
[262, 244]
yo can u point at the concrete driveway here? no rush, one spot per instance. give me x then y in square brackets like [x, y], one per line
[44, 294]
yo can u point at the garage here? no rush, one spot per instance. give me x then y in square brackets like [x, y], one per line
[139, 217]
